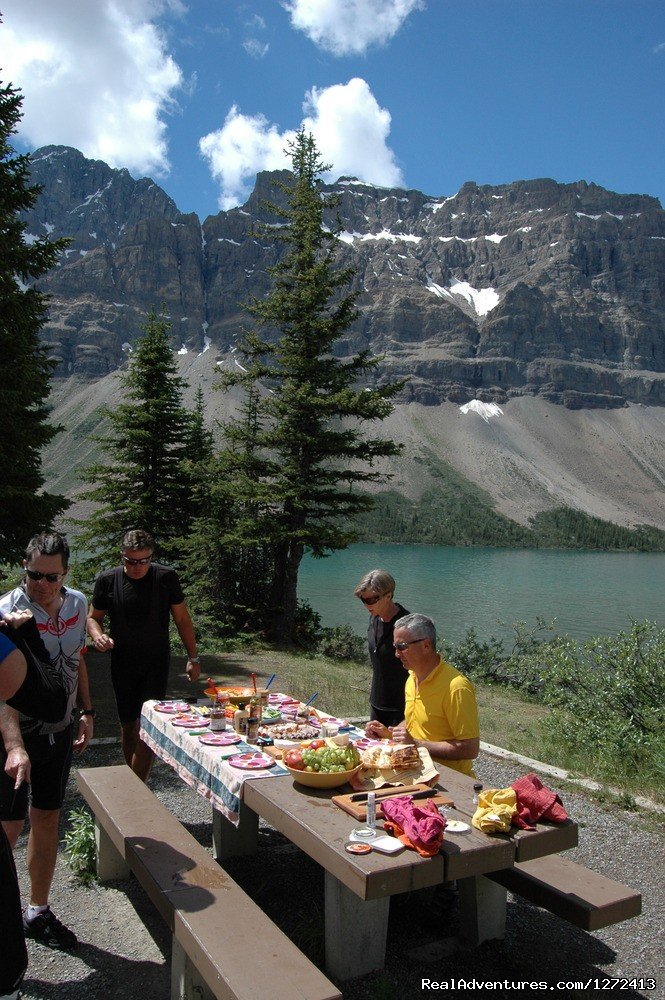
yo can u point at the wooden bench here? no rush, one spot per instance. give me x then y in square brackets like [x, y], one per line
[224, 945]
[572, 892]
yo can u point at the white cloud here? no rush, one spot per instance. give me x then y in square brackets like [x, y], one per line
[94, 75]
[659, 48]
[349, 27]
[244, 145]
[350, 129]
[254, 48]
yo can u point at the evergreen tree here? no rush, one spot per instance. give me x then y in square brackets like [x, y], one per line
[26, 368]
[199, 438]
[312, 447]
[144, 481]
[227, 572]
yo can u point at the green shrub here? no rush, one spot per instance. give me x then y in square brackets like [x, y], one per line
[341, 643]
[308, 629]
[482, 661]
[608, 703]
[80, 847]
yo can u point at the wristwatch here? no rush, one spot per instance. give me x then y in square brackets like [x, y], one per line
[89, 711]
[194, 659]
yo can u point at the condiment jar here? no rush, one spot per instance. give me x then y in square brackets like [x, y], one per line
[217, 718]
[240, 717]
[477, 789]
[254, 720]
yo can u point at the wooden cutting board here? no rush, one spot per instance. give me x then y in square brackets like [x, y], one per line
[359, 809]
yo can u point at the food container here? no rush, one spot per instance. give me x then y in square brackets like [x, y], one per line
[217, 716]
[322, 779]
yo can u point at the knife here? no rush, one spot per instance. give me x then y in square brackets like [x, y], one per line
[388, 793]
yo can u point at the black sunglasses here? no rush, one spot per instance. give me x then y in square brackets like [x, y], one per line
[402, 645]
[369, 601]
[50, 577]
[136, 562]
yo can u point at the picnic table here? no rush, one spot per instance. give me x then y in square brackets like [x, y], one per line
[357, 888]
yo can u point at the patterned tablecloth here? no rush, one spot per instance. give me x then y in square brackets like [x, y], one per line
[205, 768]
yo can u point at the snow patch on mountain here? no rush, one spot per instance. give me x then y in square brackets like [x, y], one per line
[484, 410]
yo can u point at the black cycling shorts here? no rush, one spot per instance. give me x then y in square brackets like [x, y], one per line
[133, 686]
[50, 761]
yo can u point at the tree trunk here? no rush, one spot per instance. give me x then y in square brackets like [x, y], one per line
[285, 591]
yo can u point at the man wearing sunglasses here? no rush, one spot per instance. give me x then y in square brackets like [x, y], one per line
[60, 615]
[441, 712]
[139, 596]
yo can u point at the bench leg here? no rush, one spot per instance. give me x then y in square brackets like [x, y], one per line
[110, 863]
[355, 931]
[482, 909]
[186, 984]
[229, 841]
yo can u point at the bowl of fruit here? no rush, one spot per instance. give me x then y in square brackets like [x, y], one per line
[322, 765]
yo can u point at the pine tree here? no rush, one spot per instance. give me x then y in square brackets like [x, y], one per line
[226, 571]
[312, 443]
[144, 481]
[26, 368]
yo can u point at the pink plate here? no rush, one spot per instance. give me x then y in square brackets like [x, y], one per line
[220, 739]
[252, 761]
[171, 707]
[190, 721]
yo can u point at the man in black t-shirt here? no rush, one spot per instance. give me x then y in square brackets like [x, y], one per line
[138, 597]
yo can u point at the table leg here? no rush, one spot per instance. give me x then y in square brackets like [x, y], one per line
[229, 841]
[482, 909]
[355, 931]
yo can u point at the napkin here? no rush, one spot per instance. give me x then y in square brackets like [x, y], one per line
[496, 808]
[417, 826]
[535, 801]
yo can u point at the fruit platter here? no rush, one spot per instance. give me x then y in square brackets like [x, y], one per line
[319, 765]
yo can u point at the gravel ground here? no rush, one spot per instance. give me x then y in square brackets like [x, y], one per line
[124, 947]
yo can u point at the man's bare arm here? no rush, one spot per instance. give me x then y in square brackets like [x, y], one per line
[17, 765]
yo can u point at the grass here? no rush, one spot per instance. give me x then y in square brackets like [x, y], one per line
[507, 719]
[343, 690]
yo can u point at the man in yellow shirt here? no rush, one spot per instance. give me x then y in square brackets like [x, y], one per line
[440, 712]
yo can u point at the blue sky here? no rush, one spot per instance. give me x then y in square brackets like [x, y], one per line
[423, 94]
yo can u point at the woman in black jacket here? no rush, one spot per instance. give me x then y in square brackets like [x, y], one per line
[376, 590]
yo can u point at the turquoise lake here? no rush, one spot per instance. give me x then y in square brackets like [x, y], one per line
[588, 593]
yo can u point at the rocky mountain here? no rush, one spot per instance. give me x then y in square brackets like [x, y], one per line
[544, 298]
[526, 289]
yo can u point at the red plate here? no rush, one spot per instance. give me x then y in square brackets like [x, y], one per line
[353, 848]
[171, 707]
[190, 721]
[220, 739]
[252, 761]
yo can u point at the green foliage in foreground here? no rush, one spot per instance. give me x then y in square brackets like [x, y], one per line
[26, 367]
[606, 696]
[80, 846]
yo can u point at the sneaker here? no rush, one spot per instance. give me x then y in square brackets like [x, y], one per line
[46, 927]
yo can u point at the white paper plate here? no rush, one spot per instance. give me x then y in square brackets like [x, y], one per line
[457, 826]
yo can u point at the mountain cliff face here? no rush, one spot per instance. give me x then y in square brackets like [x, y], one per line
[527, 289]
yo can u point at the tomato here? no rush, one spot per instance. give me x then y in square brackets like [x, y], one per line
[293, 758]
